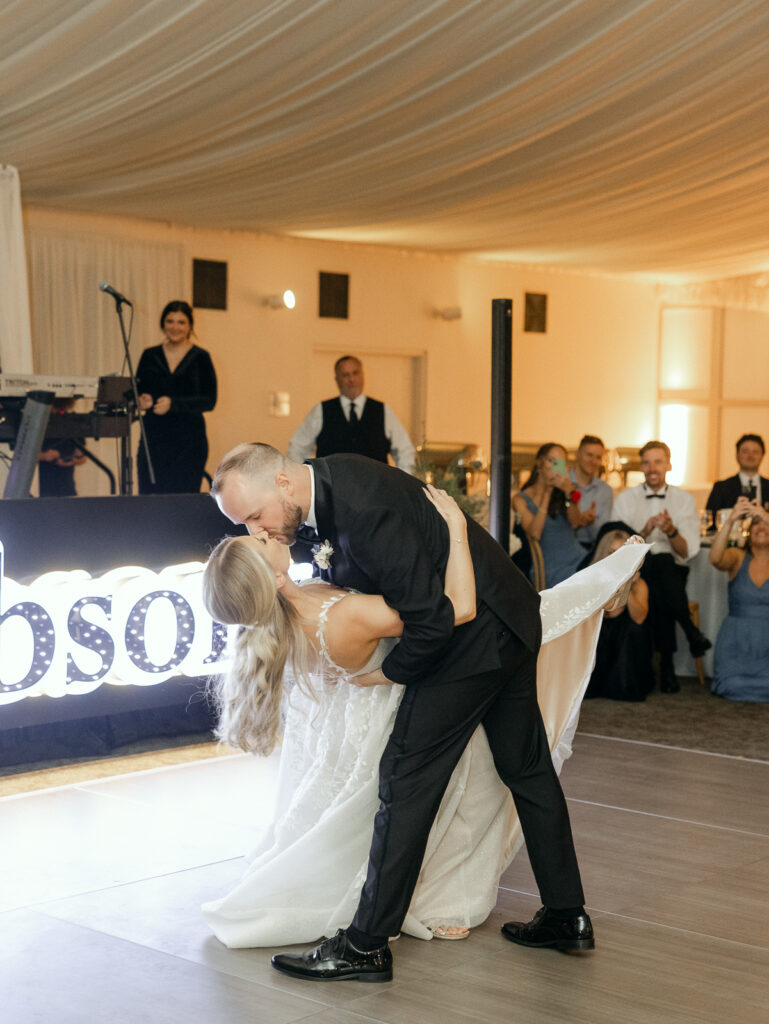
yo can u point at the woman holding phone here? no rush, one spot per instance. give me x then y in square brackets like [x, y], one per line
[541, 507]
[741, 664]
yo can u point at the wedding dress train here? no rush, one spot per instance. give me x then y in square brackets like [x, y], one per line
[305, 876]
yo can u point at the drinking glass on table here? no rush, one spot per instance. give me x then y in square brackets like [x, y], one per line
[706, 521]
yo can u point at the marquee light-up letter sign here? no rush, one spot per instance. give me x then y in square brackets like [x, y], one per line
[67, 633]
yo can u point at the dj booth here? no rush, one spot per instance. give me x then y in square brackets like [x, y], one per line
[103, 637]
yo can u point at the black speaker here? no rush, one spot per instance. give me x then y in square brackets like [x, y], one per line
[209, 284]
[333, 295]
[535, 315]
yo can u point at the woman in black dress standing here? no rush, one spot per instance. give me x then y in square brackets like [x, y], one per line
[176, 382]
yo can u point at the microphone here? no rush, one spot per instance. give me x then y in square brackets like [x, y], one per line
[115, 294]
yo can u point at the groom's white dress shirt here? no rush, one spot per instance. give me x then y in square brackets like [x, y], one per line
[311, 519]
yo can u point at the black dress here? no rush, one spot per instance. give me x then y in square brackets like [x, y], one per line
[623, 660]
[177, 441]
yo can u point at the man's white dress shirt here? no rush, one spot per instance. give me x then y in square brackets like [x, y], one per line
[636, 505]
[302, 444]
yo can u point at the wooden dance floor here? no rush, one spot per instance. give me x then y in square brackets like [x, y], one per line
[100, 885]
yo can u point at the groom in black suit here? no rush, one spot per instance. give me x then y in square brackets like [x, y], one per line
[388, 539]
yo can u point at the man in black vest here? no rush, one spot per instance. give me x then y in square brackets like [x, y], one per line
[388, 539]
[352, 424]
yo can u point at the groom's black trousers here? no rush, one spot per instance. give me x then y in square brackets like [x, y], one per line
[433, 726]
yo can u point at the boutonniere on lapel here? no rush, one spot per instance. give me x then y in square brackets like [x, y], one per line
[321, 554]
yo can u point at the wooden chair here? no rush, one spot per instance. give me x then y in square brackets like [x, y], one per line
[694, 611]
[538, 564]
[529, 558]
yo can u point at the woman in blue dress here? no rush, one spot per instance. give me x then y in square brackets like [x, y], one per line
[741, 666]
[542, 508]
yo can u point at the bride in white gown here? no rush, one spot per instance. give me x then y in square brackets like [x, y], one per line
[305, 876]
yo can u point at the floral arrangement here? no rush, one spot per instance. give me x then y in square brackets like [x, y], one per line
[451, 478]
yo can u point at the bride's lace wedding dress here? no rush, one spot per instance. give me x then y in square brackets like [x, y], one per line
[305, 876]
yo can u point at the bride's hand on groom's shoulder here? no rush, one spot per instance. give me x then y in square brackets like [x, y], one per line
[445, 505]
[377, 678]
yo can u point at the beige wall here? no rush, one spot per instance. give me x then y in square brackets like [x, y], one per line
[594, 371]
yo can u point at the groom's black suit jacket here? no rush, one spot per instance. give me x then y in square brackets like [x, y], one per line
[389, 539]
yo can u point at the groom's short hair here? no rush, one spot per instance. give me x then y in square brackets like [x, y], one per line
[253, 459]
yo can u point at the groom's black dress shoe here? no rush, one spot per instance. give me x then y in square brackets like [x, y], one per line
[545, 929]
[337, 960]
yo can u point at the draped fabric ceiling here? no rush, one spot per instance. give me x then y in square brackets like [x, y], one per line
[628, 136]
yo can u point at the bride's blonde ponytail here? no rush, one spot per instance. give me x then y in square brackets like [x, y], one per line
[239, 587]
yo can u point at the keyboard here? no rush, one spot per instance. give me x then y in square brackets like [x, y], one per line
[16, 385]
[70, 424]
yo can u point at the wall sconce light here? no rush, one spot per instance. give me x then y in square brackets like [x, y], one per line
[279, 403]
[285, 301]
[448, 313]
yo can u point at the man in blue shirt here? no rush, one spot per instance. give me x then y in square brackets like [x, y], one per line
[593, 508]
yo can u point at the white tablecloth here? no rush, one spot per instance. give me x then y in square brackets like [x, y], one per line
[708, 587]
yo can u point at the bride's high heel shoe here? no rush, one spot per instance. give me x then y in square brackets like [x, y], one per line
[452, 932]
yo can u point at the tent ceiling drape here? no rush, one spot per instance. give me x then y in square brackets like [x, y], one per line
[629, 136]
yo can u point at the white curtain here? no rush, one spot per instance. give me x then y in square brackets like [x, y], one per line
[75, 329]
[749, 293]
[15, 340]
[621, 136]
[74, 326]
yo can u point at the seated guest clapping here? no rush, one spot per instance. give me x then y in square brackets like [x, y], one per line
[592, 508]
[623, 660]
[542, 507]
[741, 664]
[750, 452]
[666, 517]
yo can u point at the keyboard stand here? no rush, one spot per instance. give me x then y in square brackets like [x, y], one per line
[29, 441]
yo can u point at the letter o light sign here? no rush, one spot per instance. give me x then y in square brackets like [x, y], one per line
[66, 633]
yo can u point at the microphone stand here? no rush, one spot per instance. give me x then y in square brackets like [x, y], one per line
[126, 476]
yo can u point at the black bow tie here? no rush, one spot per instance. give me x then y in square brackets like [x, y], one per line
[307, 534]
[660, 496]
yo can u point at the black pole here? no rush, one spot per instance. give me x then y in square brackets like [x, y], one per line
[501, 415]
[126, 474]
